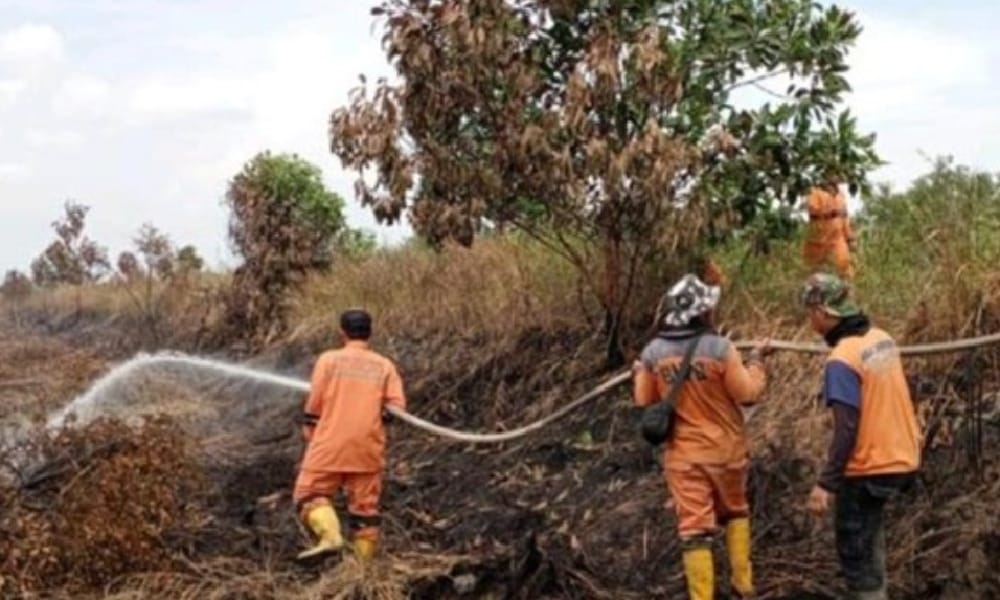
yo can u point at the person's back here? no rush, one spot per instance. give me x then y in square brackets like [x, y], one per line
[827, 213]
[705, 459]
[888, 437]
[875, 447]
[349, 435]
[709, 426]
[345, 435]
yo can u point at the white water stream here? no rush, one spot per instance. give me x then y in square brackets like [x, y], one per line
[89, 405]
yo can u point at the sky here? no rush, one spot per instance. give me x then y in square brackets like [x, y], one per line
[144, 109]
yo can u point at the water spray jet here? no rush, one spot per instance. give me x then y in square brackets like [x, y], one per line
[85, 406]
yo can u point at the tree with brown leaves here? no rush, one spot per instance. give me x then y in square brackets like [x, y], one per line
[73, 258]
[606, 130]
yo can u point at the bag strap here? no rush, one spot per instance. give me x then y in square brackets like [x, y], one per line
[685, 370]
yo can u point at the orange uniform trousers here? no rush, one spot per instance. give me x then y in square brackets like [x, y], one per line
[314, 488]
[707, 496]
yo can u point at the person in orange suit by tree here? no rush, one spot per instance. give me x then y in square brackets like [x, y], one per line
[829, 238]
[344, 428]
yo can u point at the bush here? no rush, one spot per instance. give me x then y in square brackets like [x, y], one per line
[284, 224]
[944, 227]
[102, 501]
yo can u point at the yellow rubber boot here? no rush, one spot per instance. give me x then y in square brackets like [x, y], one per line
[699, 572]
[323, 522]
[738, 548]
[365, 548]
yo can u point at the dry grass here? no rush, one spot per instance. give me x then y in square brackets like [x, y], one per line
[27, 385]
[135, 314]
[497, 286]
[503, 286]
[955, 296]
[115, 298]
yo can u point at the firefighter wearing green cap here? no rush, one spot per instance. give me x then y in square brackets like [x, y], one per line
[875, 450]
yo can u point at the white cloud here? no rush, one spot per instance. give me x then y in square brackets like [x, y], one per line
[200, 94]
[31, 45]
[294, 95]
[10, 89]
[898, 64]
[12, 171]
[53, 139]
[909, 77]
[281, 101]
[81, 95]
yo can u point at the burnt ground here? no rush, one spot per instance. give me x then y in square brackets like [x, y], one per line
[576, 511]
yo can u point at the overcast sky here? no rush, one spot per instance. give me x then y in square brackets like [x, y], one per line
[143, 109]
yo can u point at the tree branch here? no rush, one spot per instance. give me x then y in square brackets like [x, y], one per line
[558, 244]
[771, 93]
[756, 80]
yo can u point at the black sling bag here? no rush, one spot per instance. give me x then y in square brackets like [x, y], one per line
[658, 419]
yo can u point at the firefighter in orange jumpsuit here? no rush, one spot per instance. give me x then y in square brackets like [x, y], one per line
[345, 435]
[706, 459]
[830, 237]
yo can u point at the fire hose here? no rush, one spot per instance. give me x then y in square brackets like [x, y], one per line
[164, 359]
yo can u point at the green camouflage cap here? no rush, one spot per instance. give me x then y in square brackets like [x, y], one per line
[830, 292]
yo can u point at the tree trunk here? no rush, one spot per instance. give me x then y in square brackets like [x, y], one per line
[612, 300]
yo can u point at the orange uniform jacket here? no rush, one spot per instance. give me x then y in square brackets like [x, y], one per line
[709, 426]
[828, 219]
[888, 439]
[829, 234]
[350, 387]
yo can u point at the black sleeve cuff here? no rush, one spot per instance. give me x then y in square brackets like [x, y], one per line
[308, 419]
[845, 434]
[830, 484]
